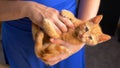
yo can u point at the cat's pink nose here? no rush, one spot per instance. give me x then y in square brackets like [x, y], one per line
[80, 36]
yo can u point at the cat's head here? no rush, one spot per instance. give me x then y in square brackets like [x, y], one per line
[90, 32]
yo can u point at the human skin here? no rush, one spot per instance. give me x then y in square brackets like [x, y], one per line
[88, 9]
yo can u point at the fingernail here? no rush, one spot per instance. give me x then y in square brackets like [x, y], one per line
[66, 30]
[73, 26]
[52, 40]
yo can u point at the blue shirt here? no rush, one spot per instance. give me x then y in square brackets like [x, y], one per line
[19, 46]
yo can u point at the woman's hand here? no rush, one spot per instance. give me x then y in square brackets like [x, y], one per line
[37, 12]
[71, 47]
[59, 53]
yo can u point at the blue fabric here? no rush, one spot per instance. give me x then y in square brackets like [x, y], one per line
[19, 46]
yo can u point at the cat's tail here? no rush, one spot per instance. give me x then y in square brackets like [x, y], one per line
[38, 36]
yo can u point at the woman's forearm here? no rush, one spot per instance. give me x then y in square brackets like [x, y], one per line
[88, 9]
[11, 10]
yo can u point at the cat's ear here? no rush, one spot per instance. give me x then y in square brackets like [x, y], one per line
[97, 19]
[103, 38]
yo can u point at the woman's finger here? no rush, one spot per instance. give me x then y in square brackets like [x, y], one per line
[66, 21]
[57, 29]
[60, 25]
[59, 41]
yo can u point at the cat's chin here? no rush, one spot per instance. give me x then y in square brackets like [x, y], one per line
[91, 44]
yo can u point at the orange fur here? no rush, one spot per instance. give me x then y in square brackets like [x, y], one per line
[88, 32]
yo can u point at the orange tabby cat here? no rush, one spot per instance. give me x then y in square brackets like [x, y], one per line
[88, 32]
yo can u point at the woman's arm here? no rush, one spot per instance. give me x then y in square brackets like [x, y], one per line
[12, 10]
[88, 9]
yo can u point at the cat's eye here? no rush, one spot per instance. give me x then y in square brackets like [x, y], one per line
[86, 29]
[90, 37]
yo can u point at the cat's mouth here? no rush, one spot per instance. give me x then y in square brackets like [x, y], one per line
[81, 36]
[87, 38]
